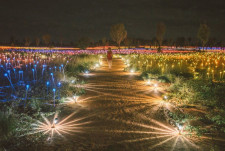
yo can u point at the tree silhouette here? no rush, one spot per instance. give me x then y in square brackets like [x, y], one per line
[160, 32]
[127, 42]
[104, 41]
[12, 41]
[37, 41]
[83, 43]
[46, 39]
[118, 33]
[203, 34]
[27, 42]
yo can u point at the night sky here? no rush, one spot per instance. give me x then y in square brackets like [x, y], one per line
[72, 19]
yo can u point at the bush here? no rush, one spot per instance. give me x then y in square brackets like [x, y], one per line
[8, 124]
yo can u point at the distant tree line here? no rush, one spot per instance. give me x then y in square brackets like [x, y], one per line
[119, 36]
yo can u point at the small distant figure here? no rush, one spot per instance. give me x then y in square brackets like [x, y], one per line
[109, 57]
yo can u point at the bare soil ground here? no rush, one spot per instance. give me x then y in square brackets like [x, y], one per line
[120, 113]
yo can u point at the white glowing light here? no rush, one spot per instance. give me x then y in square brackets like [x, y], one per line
[97, 65]
[66, 126]
[165, 97]
[148, 82]
[180, 127]
[132, 70]
[56, 120]
[86, 72]
[75, 97]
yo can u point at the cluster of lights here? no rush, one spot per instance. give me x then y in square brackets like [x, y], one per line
[206, 65]
[17, 69]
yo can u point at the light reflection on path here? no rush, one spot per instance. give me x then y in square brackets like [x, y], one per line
[127, 115]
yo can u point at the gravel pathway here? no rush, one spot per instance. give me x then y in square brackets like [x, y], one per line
[119, 112]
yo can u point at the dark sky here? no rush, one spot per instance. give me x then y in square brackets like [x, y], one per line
[72, 19]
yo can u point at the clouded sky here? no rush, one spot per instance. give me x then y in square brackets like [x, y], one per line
[72, 19]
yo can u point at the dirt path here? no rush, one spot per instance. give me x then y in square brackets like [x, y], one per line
[119, 112]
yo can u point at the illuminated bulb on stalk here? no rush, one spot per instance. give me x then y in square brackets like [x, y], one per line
[97, 65]
[165, 97]
[180, 128]
[132, 70]
[148, 82]
[75, 97]
[56, 120]
[86, 72]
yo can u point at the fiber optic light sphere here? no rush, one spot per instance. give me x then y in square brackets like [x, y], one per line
[53, 89]
[75, 97]
[132, 71]
[148, 82]
[165, 97]
[56, 120]
[155, 87]
[97, 65]
[180, 128]
[86, 72]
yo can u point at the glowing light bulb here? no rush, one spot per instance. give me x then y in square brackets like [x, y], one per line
[180, 128]
[75, 97]
[56, 120]
[165, 97]
[148, 82]
[97, 65]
